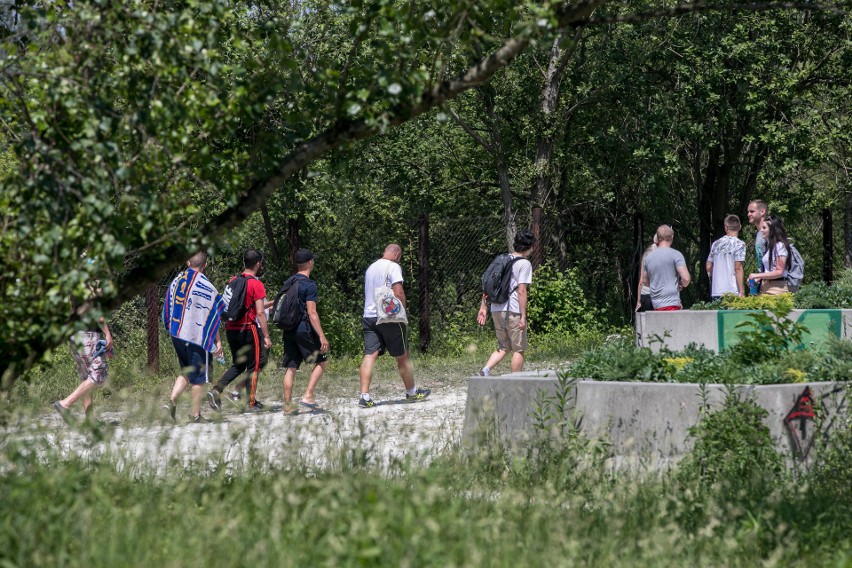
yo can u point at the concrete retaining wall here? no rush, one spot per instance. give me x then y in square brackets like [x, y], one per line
[646, 424]
[717, 329]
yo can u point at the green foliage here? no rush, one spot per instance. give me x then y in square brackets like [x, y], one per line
[733, 446]
[557, 303]
[818, 294]
[767, 335]
[759, 302]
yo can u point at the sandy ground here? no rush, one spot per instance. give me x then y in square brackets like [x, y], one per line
[343, 434]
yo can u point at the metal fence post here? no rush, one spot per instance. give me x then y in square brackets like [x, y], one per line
[423, 281]
[827, 246]
[152, 305]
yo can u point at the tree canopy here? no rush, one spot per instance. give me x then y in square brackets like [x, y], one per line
[140, 131]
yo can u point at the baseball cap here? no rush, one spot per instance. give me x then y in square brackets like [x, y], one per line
[303, 256]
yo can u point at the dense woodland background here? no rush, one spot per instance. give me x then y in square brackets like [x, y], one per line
[137, 132]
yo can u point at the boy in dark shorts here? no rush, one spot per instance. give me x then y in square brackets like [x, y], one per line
[390, 337]
[307, 341]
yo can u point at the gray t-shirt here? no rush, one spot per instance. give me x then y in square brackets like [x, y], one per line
[661, 265]
[760, 248]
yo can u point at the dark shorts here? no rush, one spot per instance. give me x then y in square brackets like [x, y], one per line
[300, 347]
[193, 361]
[390, 337]
[645, 304]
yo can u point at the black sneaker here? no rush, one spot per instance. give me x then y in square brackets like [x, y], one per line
[198, 420]
[364, 403]
[419, 394]
[214, 400]
[65, 413]
[170, 408]
[256, 407]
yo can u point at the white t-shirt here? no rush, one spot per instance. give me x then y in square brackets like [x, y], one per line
[723, 254]
[380, 273]
[521, 274]
[780, 250]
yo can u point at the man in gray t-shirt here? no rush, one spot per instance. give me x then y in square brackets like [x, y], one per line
[665, 272]
[757, 213]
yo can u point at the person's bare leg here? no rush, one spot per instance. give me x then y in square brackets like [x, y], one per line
[82, 391]
[196, 394]
[406, 371]
[180, 386]
[289, 377]
[366, 371]
[316, 374]
[495, 358]
[517, 361]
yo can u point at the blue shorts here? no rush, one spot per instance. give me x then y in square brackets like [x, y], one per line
[193, 361]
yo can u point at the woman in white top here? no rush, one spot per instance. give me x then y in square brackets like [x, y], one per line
[643, 294]
[776, 259]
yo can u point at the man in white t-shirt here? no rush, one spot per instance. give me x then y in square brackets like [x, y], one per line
[390, 337]
[725, 262]
[510, 318]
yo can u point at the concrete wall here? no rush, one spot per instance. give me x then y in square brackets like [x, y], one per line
[646, 424]
[716, 330]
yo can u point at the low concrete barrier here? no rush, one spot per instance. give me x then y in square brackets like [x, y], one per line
[717, 329]
[646, 424]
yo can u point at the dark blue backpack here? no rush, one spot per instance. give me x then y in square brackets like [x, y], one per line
[498, 278]
[287, 309]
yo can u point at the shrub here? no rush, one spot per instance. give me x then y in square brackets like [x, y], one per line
[558, 303]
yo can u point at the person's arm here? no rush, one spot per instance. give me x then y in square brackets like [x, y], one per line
[683, 272]
[738, 271]
[259, 306]
[780, 263]
[218, 350]
[522, 305]
[483, 310]
[709, 268]
[107, 334]
[399, 293]
[639, 288]
[315, 323]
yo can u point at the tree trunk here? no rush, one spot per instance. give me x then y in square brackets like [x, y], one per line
[501, 163]
[270, 235]
[847, 228]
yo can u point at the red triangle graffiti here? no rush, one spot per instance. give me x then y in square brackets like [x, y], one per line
[801, 412]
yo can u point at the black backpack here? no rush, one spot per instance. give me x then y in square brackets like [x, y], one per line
[287, 309]
[498, 278]
[234, 296]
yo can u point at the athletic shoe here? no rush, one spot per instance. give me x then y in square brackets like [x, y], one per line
[63, 412]
[419, 394]
[364, 403]
[199, 420]
[485, 372]
[171, 408]
[214, 400]
[256, 407]
[234, 395]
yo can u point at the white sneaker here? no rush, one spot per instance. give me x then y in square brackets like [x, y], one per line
[485, 372]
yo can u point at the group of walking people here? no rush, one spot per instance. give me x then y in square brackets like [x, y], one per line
[193, 308]
[193, 312]
[664, 272]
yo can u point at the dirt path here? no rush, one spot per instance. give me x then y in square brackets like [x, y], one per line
[344, 434]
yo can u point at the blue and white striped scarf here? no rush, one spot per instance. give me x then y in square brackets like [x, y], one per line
[193, 309]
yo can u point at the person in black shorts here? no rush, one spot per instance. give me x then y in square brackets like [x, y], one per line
[307, 342]
[390, 337]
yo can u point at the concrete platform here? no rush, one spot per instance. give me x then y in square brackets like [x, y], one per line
[717, 329]
[646, 424]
